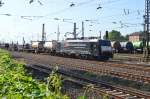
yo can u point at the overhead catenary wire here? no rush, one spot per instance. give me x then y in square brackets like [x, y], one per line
[84, 3]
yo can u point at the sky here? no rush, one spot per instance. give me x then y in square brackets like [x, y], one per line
[26, 19]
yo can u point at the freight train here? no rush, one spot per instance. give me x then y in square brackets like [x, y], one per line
[127, 47]
[54, 47]
[86, 47]
[80, 48]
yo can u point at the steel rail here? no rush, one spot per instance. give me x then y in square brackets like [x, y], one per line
[101, 86]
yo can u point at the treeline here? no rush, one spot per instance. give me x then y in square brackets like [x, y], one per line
[116, 36]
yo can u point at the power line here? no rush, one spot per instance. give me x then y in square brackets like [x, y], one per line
[68, 1]
[57, 12]
[82, 3]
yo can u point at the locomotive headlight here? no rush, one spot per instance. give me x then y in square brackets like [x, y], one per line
[106, 48]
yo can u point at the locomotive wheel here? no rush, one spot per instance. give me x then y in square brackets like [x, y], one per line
[86, 57]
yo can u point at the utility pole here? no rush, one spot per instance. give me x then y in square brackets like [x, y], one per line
[100, 34]
[146, 30]
[43, 33]
[23, 42]
[82, 29]
[107, 37]
[17, 43]
[74, 31]
[58, 33]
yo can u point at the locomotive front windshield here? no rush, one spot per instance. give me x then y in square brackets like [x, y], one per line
[104, 43]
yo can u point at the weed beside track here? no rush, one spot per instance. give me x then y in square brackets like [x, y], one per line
[15, 84]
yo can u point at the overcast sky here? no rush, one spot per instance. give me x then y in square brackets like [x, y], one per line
[122, 15]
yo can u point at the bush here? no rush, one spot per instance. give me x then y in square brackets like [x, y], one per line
[15, 84]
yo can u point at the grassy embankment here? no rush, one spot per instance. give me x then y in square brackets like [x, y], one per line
[16, 84]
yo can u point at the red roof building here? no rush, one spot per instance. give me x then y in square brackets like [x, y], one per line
[136, 36]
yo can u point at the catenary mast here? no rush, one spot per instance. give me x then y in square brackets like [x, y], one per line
[146, 30]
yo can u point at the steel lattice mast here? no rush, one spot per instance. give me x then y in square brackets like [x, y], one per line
[146, 29]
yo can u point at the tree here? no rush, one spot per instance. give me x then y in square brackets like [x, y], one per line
[116, 36]
[126, 38]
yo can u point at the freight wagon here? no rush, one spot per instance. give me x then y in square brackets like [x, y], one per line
[126, 47]
[116, 46]
[50, 47]
[37, 46]
[138, 46]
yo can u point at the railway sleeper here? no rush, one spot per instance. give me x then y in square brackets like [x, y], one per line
[147, 79]
[136, 78]
[111, 96]
[115, 93]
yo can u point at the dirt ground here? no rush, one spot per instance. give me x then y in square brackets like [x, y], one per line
[91, 66]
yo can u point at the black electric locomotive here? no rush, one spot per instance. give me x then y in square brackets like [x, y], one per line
[87, 48]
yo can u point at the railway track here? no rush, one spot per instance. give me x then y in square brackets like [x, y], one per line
[125, 71]
[130, 74]
[135, 72]
[100, 87]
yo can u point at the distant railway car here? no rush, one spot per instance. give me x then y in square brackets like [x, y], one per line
[127, 47]
[138, 46]
[37, 46]
[116, 46]
[15, 47]
[7, 46]
[87, 48]
[50, 46]
[2, 46]
[34, 44]
[27, 46]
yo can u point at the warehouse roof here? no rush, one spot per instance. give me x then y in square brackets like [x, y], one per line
[136, 34]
